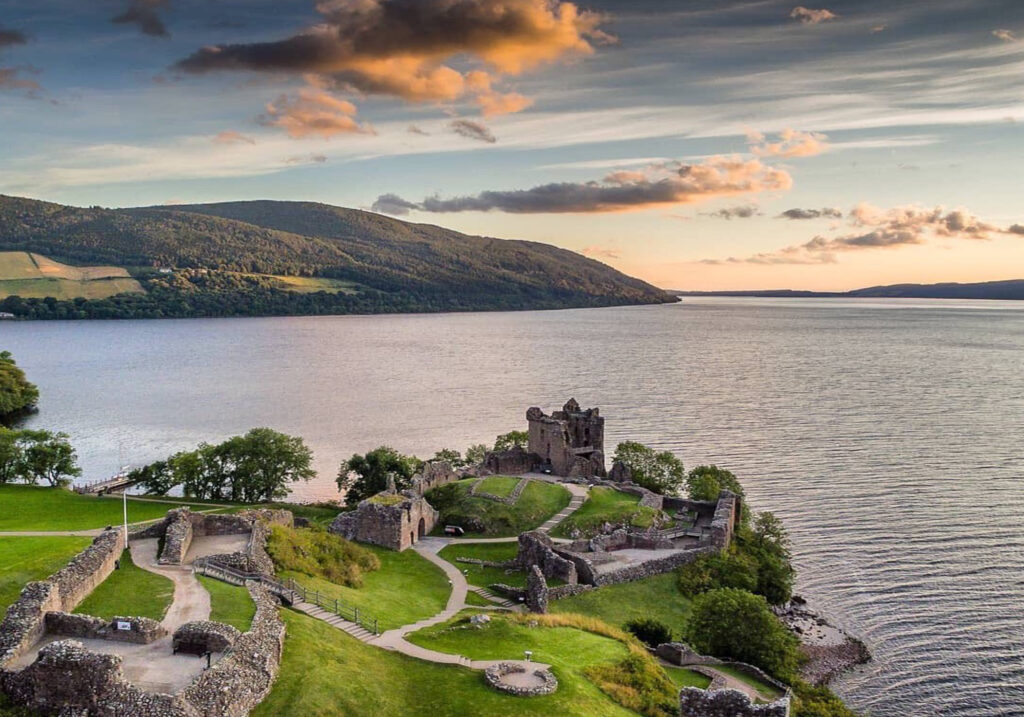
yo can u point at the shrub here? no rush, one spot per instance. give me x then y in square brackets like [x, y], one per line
[317, 553]
[706, 482]
[637, 683]
[660, 472]
[649, 631]
[817, 702]
[718, 570]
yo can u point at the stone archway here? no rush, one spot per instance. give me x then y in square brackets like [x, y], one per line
[421, 531]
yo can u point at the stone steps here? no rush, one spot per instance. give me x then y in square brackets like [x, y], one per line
[355, 630]
[488, 595]
[573, 506]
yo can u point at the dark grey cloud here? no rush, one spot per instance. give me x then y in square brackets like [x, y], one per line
[1016, 229]
[143, 13]
[394, 205]
[472, 130]
[11, 37]
[740, 212]
[827, 212]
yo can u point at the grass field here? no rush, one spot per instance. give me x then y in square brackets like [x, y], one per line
[23, 560]
[326, 673]
[313, 284]
[30, 508]
[35, 276]
[766, 691]
[129, 592]
[483, 576]
[656, 598]
[605, 505]
[501, 486]
[229, 603]
[405, 589]
[682, 677]
[538, 502]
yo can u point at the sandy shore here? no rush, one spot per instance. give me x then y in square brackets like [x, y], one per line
[830, 650]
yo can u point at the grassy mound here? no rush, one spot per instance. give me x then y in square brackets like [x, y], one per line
[405, 589]
[485, 517]
[229, 603]
[483, 576]
[656, 597]
[501, 486]
[317, 553]
[606, 505]
[23, 560]
[129, 592]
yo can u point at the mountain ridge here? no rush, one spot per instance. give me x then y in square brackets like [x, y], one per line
[1001, 290]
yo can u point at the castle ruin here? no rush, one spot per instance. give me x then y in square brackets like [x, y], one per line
[570, 442]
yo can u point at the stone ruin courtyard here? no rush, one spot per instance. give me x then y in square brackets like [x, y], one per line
[133, 666]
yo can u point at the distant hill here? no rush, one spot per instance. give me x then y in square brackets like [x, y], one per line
[246, 258]
[1012, 289]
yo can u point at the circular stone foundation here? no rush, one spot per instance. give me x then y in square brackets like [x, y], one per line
[516, 679]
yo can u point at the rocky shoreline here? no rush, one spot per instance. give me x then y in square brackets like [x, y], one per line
[830, 650]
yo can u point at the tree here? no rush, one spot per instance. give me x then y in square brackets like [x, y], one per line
[717, 570]
[706, 482]
[450, 456]
[364, 476]
[660, 472]
[49, 457]
[649, 631]
[476, 454]
[10, 455]
[265, 462]
[155, 479]
[768, 545]
[510, 440]
[16, 393]
[737, 625]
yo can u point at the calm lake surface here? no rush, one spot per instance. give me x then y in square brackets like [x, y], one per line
[887, 434]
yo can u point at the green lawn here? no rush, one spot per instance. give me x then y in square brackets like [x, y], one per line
[489, 518]
[473, 599]
[406, 588]
[326, 673]
[23, 560]
[605, 505]
[683, 677]
[501, 486]
[656, 597]
[29, 508]
[766, 691]
[129, 592]
[479, 575]
[229, 603]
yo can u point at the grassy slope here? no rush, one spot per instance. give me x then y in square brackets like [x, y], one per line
[229, 603]
[23, 560]
[538, 502]
[326, 673]
[39, 508]
[407, 588]
[483, 576]
[501, 486]
[129, 592]
[655, 597]
[605, 505]
[36, 276]
[683, 677]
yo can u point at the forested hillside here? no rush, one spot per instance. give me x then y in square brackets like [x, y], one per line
[224, 258]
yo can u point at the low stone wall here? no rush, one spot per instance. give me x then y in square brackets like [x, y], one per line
[727, 703]
[515, 461]
[650, 568]
[510, 499]
[25, 621]
[622, 539]
[679, 653]
[648, 499]
[177, 537]
[564, 591]
[141, 630]
[495, 678]
[535, 548]
[255, 558]
[181, 526]
[201, 636]
[536, 597]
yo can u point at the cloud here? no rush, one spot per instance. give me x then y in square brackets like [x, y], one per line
[232, 137]
[12, 78]
[11, 37]
[1016, 229]
[657, 185]
[144, 14]
[307, 159]
[599, 251]
[394, 205]
[413, 129]
[1005, 35]
[472, 130]
[879, 28]
[313, 112]
[880, 229]
[827, 212]
[791, 143]
[740, 212]
[812, 17]
[402, 48]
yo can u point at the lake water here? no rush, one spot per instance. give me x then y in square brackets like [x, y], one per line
[887, 434]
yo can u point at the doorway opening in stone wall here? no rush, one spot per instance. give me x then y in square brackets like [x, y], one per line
[422, 530]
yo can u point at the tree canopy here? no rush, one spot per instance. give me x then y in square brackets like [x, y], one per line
[16, 392]
[362, 476]
[706, 482]
[37, 457]
[659, 471]
[510, 440]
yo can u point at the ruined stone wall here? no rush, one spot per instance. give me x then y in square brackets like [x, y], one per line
[25, 621]
[536, 590]
[725, 519]
[177, 537]
[535, 548]
[391, 526]
[650, 568]
[512, 462]
[142, 632]
[727, 703]
[564, 591]
[204, 636]
[433, 475]
[648, 499]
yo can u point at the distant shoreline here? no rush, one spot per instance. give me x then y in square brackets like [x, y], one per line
[1010, 290]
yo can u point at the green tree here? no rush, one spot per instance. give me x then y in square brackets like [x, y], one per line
[48, 457]
[660, 472]
[706, 482]
[767, 543]
[450, 456]
[364, 476]
[737, 625]
[264, 463]
[155, 479]
[16, 393]
[712, 571]
[649, 631]
[10, 455]
[475, 454]
[510, 440]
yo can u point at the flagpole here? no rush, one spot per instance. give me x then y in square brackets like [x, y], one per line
[124, 501]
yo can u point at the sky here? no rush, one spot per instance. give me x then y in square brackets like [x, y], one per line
[697, 144]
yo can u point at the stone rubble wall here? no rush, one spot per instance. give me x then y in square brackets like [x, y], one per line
[536, 596]
[205, 635]
[725, 519]
[536, 548]
[648, 499]
[511, 499]
[391, 526]
[512, 462]
[25, 621]
[679, 653]
[727, 703]
[255, 558]
[143, 629]
[564, 591]
[182, 525]
[495, 674]
[434, 474]
[177, 538]
[651, 567]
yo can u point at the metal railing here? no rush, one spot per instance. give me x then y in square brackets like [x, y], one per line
[291, 590]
